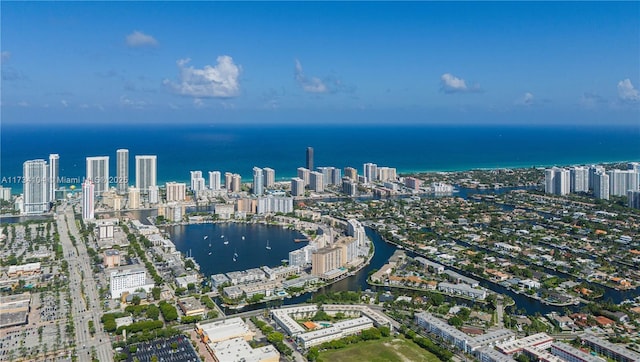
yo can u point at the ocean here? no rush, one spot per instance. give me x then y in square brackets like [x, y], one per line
[238, 148]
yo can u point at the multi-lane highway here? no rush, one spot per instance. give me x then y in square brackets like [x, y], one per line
[81, 278]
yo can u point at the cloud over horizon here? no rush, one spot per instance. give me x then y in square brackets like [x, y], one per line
[138, 39]
[525, 100]
[219, 81]
[449, 83]
[627, 92]
[309, 84]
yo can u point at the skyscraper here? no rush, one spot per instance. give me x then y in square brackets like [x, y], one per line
[197, 181]
[351, 173]
[297, 186]
[236, 182]
[228, 180]
[316, 181]
[214, 180]
[370, 172]
[122, 170]
[633, 199]
[176, 191]
[258, 181]
[98, 173]
[269, 177]
[88, 197]
[310, 158]
[54, 174]
[557, 181]
[303, 173]
[35, 186]
[579, 179]
[601, 186]
[134, 198]
[146, 173]
[621, 181]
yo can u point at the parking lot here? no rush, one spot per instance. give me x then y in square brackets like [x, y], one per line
[163, 350]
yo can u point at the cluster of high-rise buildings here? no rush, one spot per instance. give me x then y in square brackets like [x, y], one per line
[595, 179]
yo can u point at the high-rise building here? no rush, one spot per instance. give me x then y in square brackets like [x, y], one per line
[579, 179]
[386, 174]
[122, 171]
[601, 186]
[557, 181]
[309, 159]
[176, 191]
[621, 181]
[349, 186]
[269, 177]
[54, 175]
[635, 167]
[633, 199]
[134, 198]
[297, 186]
[336, 176]
[593, 169]
[370, 172]
[88, 197]
[236, 183]
[316, 181]
[351, 173]
[412, 183]
[326, 259]
[98, 173]
[258, 181]
[214, 180]
[326, 175]
[197, 181]
[228, 179]
[5, 193]
[154, 194]
[35, 186]
[303, 173]
[130, 280]
[146, 173]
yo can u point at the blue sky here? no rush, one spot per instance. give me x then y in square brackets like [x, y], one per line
[539, 62]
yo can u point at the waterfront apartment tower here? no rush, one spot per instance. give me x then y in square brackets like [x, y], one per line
[593, 170]
[134, 198]
[351, 173]
[122, 171]
[297, 186]
[557, 181]
[88, 198]
[316, 181]
[310, 158]
[579, 179]
[621, 181]
[35, 186]
[146, 173]
[236, 183]
[601, 186]
[214, 180]
[98, 173]
[228, 179]
[304, 173]
[269, 177]
[176, 191]
[258, 181]
[349, 187]
[54, 174]
[370, 172]
[197, 181]
[635, 167]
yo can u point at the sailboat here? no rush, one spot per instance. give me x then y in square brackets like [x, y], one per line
[206, 237]
[235, 255]
[209, 253]
[242, 237]
[268, 247]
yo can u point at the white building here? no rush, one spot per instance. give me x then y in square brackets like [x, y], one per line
[54, 174]
[154, 194]
[88, 197]
[5, 193]
[214, 180]
[316, 181]
[258, 181]
[370, 172]
[304, 174]
[176, 191]
[35, 187]
[269, 177]
[134, 198]
[579, 179]
[122, 170]
[557, 181]
[146, 172]
[601, 186]
[130, 280]
[273, 204]
[98, 173]
[621, 181]
[297, 186]
[197, 181]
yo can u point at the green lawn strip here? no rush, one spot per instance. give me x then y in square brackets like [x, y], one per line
[389, 349]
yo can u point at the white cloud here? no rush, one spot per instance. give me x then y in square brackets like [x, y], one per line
[127, 102]
[449, 83]
[64, 103]
[627, 92]
[309, 85]
[198, 103]
[139, 39]
[525, 100]
[220, 81]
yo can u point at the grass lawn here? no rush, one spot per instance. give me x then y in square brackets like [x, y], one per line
[390, 349]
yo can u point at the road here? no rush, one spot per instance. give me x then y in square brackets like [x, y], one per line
[79, 267]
